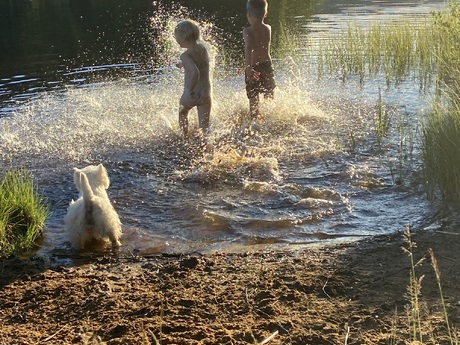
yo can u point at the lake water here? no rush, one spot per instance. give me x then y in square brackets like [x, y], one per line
[93, 82]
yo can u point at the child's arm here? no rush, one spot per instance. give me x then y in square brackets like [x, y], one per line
[192, 75]
[248, 51]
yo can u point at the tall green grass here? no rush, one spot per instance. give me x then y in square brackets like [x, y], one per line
[424, 49]
[441, 131]
[427, 51]
[22, 213]
[441, 149]
[447, 37]
[367, 51]
[438, 58]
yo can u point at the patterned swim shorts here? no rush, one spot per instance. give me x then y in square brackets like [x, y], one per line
[266, 83]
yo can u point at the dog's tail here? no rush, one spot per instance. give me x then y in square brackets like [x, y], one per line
[86, 190]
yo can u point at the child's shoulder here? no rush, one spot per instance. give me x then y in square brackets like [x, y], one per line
[262, 27]
[202, 46]
[198, 52]
[248, 30]
[199, 49]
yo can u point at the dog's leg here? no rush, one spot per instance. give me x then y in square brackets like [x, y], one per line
[115, 241]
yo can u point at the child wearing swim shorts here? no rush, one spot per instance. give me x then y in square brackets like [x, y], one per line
[259, 74]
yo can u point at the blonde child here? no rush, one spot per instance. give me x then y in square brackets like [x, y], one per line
[197, 83]
[259, 75]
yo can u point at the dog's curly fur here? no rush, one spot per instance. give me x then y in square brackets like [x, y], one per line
[92, 216]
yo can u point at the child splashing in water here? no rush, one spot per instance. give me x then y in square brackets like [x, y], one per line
[197, 85]
[259, 75]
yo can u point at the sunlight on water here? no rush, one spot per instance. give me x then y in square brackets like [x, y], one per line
[92, 123]
[309, 171]
[82, 122]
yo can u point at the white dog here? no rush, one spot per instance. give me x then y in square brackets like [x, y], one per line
[92, 216]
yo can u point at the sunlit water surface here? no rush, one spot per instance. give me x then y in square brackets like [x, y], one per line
[312, 172]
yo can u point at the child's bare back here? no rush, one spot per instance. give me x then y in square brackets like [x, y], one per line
[257, 39]
[197, 84]
[197, 81]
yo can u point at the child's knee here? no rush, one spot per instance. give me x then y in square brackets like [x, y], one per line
[269, 95]
[183, 110]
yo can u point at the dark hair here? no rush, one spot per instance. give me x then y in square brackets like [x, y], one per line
[257, 8]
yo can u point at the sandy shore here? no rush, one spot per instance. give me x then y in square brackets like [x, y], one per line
[346, 294]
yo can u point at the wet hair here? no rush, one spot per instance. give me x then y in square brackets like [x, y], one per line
[257, 8]
[187, 30]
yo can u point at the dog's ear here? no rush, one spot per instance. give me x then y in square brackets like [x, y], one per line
[103, 176]
[76, 178]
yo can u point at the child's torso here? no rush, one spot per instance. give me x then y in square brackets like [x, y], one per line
[202, 90]
[260, 39]
[200, 57]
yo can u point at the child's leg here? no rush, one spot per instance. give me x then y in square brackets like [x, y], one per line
[183, 119]
[204, 112]
[270, 94]
[254, 107]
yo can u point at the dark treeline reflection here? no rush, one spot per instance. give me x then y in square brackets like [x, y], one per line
[43, 36]
[46, 33]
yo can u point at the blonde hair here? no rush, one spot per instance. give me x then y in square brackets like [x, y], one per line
[187, 30]
[257, 8]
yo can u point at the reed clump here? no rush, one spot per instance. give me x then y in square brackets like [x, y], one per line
[424, 49]
[367, 51]
[22, 213]
[428, 51]
[441, 131]
[441, 149]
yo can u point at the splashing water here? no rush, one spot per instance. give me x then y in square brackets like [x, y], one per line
[277, 183]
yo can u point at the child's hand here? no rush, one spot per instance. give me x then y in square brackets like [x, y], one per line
[252, 75]
[255, 75]
[179, 64]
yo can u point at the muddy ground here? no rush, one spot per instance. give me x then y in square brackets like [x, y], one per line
[345, 294]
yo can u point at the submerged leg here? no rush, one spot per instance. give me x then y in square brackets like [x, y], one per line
[183, 119]
[254, 107]
[204, 113]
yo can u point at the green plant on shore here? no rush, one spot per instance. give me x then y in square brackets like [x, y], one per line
[413, 289]
[441, 132]
[22, 213]
[414, 310]
[434, 264]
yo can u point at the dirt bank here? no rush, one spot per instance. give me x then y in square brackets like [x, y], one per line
[346, 294]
